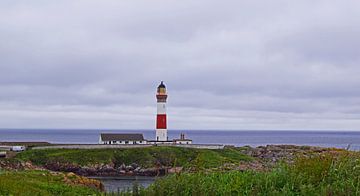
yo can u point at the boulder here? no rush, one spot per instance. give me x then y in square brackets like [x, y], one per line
[122, 167]
[129, 168]
[137, 169]
[134, 165]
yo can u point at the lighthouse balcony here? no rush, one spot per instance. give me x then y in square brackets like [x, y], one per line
[161, 96]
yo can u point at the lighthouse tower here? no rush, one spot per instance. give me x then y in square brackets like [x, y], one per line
[161, 129]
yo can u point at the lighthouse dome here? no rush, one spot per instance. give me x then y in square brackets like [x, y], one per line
[162, 85]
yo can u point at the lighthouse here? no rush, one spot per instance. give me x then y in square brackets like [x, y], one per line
[161, 128]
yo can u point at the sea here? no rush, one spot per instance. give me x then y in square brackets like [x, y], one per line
[339, 139]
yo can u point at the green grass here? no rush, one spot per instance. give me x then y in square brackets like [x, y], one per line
[38, 183]
[320, 175]
[145, 157]
[334, 173]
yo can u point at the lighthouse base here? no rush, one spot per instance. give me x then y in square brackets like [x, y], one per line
[161, 135]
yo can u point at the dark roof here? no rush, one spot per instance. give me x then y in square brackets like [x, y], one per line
[182, 140]
[121, 136]
[162, 85]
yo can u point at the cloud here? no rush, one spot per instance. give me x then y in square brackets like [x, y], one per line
[271, 65]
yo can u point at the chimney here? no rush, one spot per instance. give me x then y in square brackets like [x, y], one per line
[182, 136]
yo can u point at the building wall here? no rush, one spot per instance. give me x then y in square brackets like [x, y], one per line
[160, 142]
[183, 142]
[122, 142]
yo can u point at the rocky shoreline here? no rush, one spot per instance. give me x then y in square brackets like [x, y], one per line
[91, 170]
[108, 169]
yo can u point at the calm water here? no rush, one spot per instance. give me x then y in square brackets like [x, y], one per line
[340, 139]
[118, 184]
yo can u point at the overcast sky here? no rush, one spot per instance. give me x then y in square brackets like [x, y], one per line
[227, 64]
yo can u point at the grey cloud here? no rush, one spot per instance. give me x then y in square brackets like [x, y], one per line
[293, 59]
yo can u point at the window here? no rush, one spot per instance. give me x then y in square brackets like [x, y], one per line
[126, 142]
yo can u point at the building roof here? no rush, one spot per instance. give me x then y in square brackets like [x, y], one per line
[182, 140]
[121, 136]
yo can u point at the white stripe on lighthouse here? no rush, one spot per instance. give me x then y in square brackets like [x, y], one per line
[161, 135]
[161, 108]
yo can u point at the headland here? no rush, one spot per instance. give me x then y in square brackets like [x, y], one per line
[158, 161]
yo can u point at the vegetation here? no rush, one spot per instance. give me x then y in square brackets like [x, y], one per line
[330, 172]
[320, 175]
[39, 183]
[145, 157]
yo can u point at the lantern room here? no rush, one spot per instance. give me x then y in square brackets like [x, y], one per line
[161, 90]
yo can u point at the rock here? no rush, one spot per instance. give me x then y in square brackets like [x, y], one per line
[137, 169]
[129, 168]
[161, 172]
[134, 165]
[74, 179]
[87, 171]
[122, 167]
[148, 172]
[108, 169]
[70, 174]
[174, 170]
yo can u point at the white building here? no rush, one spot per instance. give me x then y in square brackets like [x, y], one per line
[182, 140]
[122, 138]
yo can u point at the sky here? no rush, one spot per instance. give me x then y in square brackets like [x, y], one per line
[227, 65]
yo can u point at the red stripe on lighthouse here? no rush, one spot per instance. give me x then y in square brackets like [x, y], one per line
[161, 121]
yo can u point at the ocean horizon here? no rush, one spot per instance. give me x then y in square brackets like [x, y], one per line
[325, 138]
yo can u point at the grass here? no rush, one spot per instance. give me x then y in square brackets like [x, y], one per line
[145, 157]
[332, 173]
[38, 183]
[319, 175]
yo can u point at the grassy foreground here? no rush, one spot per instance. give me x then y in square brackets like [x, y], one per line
[39, 183]
[145, 157]
[321, 175]
[328, 173]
